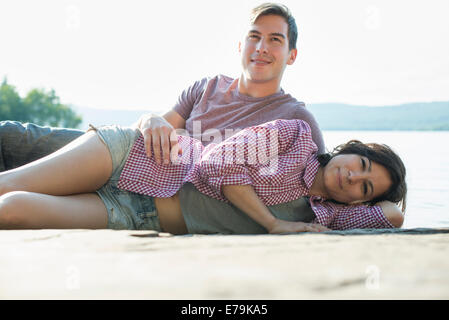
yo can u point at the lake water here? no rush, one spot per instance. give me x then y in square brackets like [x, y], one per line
[426, 157]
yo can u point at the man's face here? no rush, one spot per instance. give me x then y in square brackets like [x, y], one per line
[264, 51]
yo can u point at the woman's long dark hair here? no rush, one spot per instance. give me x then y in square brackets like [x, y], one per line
[383, 155]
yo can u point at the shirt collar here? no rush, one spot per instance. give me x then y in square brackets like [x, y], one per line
[311, 170]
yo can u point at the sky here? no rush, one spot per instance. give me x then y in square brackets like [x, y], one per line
[142, 54]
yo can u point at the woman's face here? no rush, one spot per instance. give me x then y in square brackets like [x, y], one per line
[351, 178]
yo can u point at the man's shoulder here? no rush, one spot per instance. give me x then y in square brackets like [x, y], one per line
[216, 78]
[224, 78]
[291, 108]
[213, 81]
[294, 105]
[299, 105]
[292, 100]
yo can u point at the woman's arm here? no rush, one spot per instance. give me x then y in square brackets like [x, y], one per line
[245, 198]
[384, 214]
[392, 213]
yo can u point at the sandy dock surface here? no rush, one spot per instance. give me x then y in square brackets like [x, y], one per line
[107, 264]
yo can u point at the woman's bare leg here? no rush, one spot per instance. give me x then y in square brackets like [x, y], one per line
[82, 166]
[28, 210]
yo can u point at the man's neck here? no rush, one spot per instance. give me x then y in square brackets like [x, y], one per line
[258, 89]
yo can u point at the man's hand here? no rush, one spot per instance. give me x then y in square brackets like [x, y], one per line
[283, 226]
[159, 136]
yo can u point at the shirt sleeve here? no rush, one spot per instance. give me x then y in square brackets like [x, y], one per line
[244, 156]
[189, 97]
[342, 217]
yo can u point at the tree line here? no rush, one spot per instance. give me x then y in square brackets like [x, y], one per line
[38, 106]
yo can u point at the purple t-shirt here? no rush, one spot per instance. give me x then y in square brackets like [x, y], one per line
[214, 110]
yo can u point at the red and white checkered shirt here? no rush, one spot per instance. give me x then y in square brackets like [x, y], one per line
[278, 158]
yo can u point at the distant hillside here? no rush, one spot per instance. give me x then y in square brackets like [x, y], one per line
[412, 116]
[98, 117]
[330, 116]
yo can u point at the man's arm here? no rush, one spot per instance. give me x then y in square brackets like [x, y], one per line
[159, 133]
[317, 135]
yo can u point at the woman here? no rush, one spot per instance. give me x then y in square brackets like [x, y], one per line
[87, 184]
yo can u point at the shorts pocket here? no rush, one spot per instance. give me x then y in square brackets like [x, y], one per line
[141, 208]
[146, 208]
[146, 214]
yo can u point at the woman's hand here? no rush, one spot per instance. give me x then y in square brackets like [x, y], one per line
[283, 226]
[245, 198]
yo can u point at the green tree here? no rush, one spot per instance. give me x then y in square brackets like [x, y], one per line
[11, 106]
[39, 106]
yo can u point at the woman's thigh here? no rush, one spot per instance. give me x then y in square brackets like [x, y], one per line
[82, 166]
[28, 210]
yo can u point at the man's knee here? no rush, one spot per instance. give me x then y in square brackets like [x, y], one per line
[8, 125]
[8, 130]
[24, 143]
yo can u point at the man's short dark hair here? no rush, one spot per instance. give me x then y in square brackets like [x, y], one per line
[269, 8]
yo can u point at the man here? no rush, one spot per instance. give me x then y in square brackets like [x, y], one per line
[222, 104]
[211, 109]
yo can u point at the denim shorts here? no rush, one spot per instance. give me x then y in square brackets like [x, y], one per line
[126, 210]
